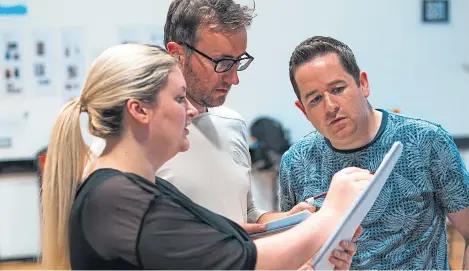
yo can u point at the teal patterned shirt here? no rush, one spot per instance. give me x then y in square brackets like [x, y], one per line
[406, 227]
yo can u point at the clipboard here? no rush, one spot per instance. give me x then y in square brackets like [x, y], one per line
[358, 210]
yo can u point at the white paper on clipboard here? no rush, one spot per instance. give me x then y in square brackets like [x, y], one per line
[358, 210]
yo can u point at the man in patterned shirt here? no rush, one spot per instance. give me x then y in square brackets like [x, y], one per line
[406, 227]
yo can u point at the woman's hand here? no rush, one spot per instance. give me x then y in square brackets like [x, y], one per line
[342, 260]
[346, 186]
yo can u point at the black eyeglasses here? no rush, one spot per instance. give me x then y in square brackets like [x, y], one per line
[225, 64]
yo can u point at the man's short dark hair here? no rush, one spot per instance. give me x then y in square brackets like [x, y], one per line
[320, 46]
[186, 17]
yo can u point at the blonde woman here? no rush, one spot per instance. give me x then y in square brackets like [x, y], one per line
[120, 217]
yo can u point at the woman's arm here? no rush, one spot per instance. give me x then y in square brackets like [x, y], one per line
[292, 248]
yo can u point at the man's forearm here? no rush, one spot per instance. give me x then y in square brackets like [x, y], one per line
[465, 264]
[302, 206]
[270, 216]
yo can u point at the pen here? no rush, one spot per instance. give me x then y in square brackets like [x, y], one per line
[318, 196]
[314, 198]
[323, 194]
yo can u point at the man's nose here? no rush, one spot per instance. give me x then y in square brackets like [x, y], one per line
[330, 105]
[231, 76]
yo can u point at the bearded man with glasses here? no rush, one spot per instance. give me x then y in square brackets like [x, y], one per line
[209, 38]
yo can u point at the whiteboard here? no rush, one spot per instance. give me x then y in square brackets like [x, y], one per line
[19, 216]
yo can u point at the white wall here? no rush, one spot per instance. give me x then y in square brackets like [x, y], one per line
[28, 118]
[415, 67]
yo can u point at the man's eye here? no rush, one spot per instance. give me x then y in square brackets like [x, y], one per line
[337, 90]
[316, 100]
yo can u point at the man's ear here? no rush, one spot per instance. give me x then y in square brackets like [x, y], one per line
[138, 111]
[364, 84]
[175, 50]
[301, 107]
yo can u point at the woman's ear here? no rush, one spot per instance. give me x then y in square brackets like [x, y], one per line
[138, 110]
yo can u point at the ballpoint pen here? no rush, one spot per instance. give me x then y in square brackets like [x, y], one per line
[313, 199]
[318, 196]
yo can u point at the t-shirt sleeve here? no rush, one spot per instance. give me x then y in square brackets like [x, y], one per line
[449, 174]
[290, 170]
[254, 213]
[240, 153]
[172, 238]
[111, 218]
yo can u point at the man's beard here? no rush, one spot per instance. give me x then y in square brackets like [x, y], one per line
[196, 90]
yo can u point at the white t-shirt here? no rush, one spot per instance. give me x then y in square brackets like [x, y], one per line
[200, 174]
[205, 182]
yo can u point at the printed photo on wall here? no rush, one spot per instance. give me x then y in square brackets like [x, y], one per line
[43, 62]
[154, 35]
[130, 34]
[72, 70]
[12, 63]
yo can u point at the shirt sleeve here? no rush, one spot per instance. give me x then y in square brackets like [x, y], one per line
[173, 239]
[449, 174]
[111, 218]
[290, 170]
[254, 213]
[241, 147]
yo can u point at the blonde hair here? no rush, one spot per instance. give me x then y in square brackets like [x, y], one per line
[120, 73]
